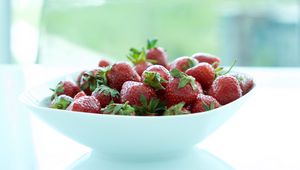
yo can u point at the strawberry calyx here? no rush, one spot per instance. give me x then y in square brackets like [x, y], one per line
[184, 79]
[59, 89]
[154, 106]
[151, 43]
[119, 109]
[94, 78]
[219, 71]
[177, 109]
[61, 102]
[107, 91]
[208, 107]
[154, 80]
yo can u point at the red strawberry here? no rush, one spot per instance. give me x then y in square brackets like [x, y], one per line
[78, 95]
[208, 58]
[103, 63]
[163, 72]
[204, 73]
[138, 58]
[183, 63]
[204, 103]
[246, 82]
[156, 54]
[181, 88]
[225, 89]
[120, 73]
[105, 95]
[133, 92]
[85, 104]
[65, 87]
[119, 109]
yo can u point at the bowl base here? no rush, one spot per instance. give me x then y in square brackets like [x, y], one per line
[195, 159]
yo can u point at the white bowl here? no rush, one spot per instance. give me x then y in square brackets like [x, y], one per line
[130, 137]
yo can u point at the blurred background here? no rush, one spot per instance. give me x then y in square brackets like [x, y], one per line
[80, 32]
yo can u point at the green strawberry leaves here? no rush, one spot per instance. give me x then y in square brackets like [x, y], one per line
[220, 70]
[154, 80]
[58, 90]
[154, 106]
[119, 109]
[176, 110]
[107, 91]
[136, 56]
[151, 43]
[210, 107]
[184, 79]
[61, 102]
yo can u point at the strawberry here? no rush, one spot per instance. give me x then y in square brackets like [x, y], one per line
[183, 63]
[61, 102]
[103, 63]
[225, 89]
[208, 58]
[246, 82]
[138, 58]
[204, 73]
[156, 54]
[65, 87]
[133, 92]
[105, 95]
[204, 103]
[90, 80]
[119, 73]
[85, 104]
[182, 88]
[119, 109]
[161, 70]
[78, 95]
[177, 109]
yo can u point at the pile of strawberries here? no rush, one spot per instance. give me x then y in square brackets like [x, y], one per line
[152, 87]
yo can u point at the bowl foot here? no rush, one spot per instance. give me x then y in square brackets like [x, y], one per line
[196, 159]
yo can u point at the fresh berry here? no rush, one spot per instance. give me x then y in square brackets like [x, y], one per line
[161, 70]
[156, 55]
[138, 58]
[103, 63]
[183, 63]
[204, 103]
[182, 88]
[177, 109]
[204, 73]
[105, 95]
[133, 92]
[119, 109]
[246, 82]
[61, 102]
[208, 58]
[119, 73]
[78, 95]
[225, 89]
[85, 104]
[65, 87]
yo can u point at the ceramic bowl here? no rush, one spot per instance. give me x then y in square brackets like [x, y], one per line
[129, 137]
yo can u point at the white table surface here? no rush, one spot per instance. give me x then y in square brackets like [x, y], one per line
[263, 134]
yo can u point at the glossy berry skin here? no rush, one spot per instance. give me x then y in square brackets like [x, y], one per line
[106, 95]
[121, 72]
[202, 100]
[208, 58]
[79, 94]
[132, 92]
[67, 88]
[141, 67]
[175, 95]
[246, 82]
[204, 73]
[164, 73]
[225, 89]
[103, 63]
[159, 55]
[87, 104]
[183, 63]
